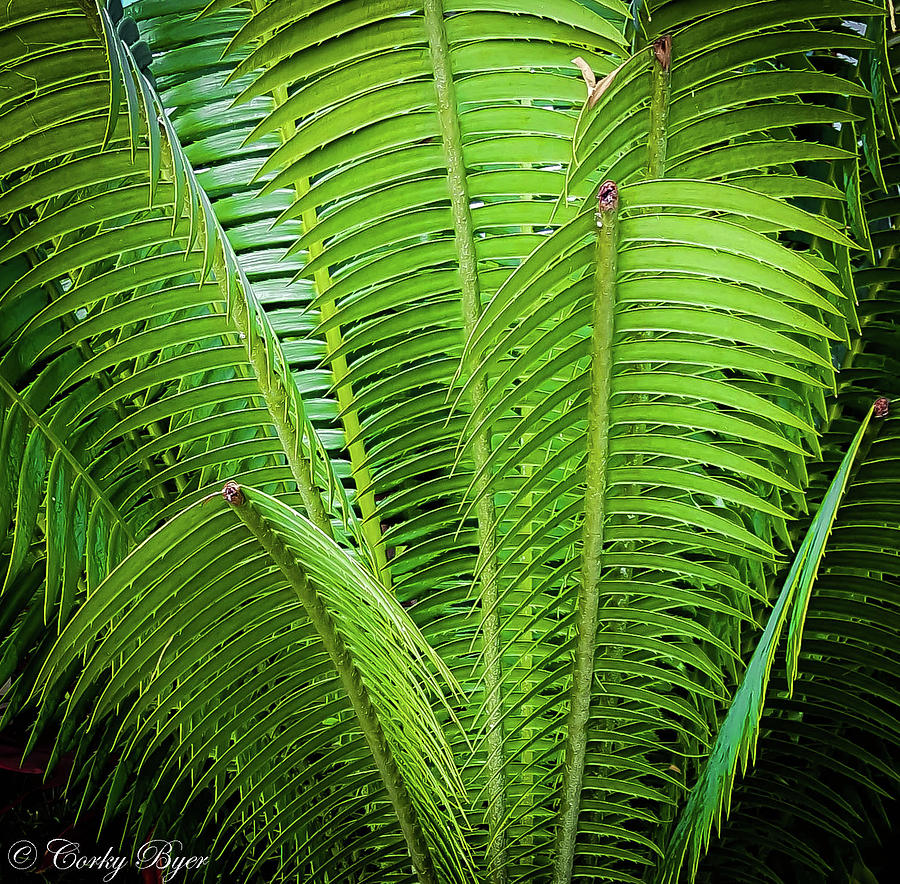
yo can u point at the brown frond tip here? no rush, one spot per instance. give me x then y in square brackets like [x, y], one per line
[881, 407]
[608, 196]
[662, 49]
[233, 494]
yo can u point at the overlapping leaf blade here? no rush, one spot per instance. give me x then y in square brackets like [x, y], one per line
[139, 373]
[201, 589]
[691, 532]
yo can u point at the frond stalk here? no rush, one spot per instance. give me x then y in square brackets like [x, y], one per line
[348, 673]
[592, 530]
[471, 308]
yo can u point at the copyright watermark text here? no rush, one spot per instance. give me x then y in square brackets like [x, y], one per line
[61, 853]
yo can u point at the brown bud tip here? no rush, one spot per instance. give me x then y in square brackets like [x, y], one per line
[662, 49]
[881, 407]
[608, 196]
[233, 494]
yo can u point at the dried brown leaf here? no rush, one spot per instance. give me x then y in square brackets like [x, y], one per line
[586, 72]
[602, 86]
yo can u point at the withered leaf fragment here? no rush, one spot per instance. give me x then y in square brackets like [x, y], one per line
[595, 87]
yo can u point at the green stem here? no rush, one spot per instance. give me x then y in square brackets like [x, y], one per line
[362, 478]
[471, 309]
[592, 532]
[277, 393]
[277, 397]
[348, 673]
[660, 98]
[355, 447]
[661, 52]
[359, 459]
